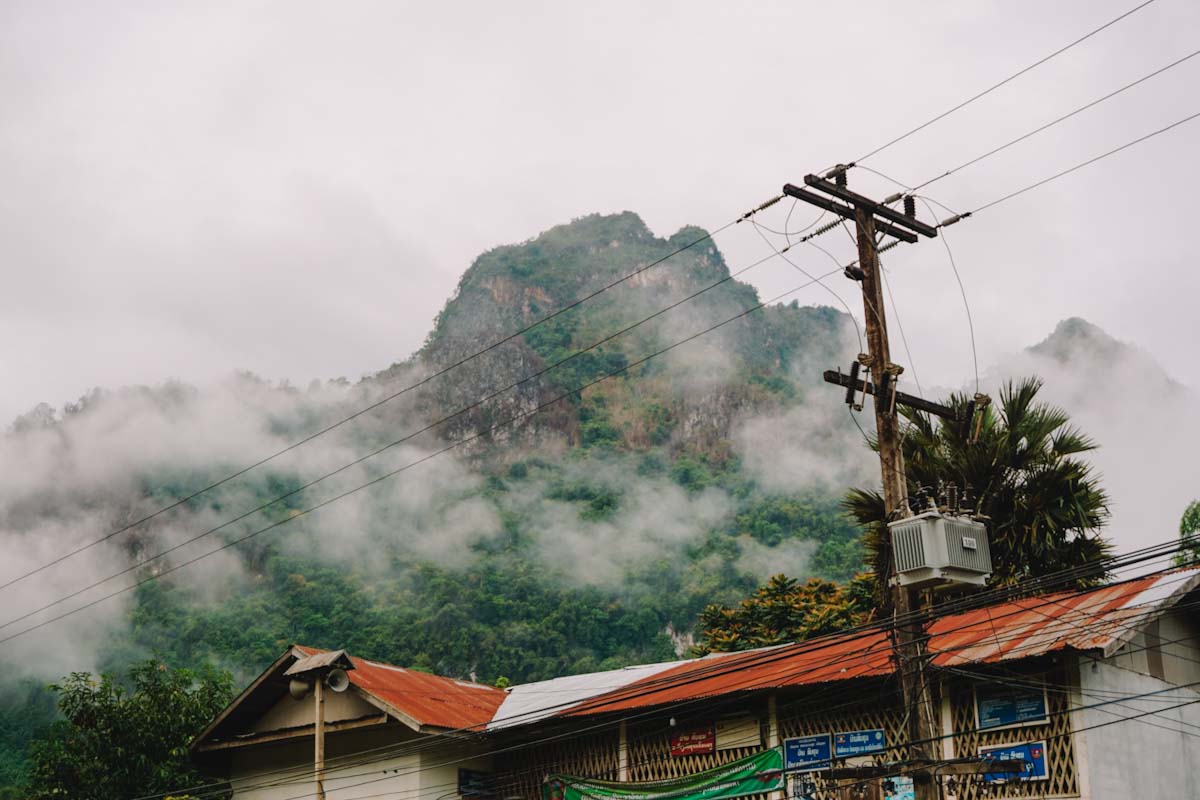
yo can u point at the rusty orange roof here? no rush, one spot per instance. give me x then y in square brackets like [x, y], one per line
[1098, 619]
[424, 699]
[832, 659]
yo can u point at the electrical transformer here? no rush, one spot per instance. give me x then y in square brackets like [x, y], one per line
[939, 551]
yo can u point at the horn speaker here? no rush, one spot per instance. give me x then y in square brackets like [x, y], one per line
[298, 689]
[337, 680]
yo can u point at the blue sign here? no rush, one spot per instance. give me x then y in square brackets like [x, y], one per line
[858, 743]
[901, 788]
[807, 753]
[1000, 706]
[472, 783]
[1031, 754]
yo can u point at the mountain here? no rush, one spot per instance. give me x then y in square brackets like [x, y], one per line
[568, 529]
[1146, 423]
[1077, 343]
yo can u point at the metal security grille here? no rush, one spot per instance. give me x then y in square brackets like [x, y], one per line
[1060, 749]
[909, 544]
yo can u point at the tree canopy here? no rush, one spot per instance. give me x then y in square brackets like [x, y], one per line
[786, 610]
[1021, 461]
[1189, 525]
[121, 739]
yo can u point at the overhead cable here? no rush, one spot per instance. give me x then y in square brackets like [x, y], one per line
[296, 514]
[1009, 79]
[1054, 122]
[390, 445]
[386, 399]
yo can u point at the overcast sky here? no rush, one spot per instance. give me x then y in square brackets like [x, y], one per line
[294, 187]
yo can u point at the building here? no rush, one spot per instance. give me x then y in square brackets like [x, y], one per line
[1097, 691]
[263, 741]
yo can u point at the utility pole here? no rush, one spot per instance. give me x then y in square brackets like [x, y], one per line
[909, 636]
[319, 736]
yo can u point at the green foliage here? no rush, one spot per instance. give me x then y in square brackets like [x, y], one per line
[1045, 506]
[785, 610]
[1189, 525]
[124, 740]
[500, 609]
[27, 709]
[600, 502]
[691, 474]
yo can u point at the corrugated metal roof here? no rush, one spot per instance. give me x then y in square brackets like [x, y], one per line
[317, 661]
[832, 659]
[535, 701]
[429, 700]
[1098, 619]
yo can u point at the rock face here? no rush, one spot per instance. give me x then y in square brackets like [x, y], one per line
[688, 398]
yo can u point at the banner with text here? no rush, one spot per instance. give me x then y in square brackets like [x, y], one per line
[761, 772]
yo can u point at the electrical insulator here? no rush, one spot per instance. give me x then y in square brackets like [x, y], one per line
[910, 206]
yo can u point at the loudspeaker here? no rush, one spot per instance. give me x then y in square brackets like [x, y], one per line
[337, 680]
[298, 689]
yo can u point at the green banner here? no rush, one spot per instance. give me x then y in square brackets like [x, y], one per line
[761, 772]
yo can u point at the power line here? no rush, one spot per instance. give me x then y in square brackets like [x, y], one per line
[1054, 122]
[962, 291]
[912, 364]
[385, 476]
[942, 737]
[847, 691]
[1016, 682]
[765, 656]
[1080, 165]
[956, 216]
[818, 643]
[1009, 79]
[433, 740]
[809, 275]
[388, 398]
[406, 438]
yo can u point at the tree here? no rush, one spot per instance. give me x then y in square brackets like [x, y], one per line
[1044, 505]
[119, 741]
[1189, 524]
[785, 610]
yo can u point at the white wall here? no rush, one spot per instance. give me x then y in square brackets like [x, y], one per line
[292, 713]
[1146, 758]
[395, 777]
[428, 774]
[1177, 636]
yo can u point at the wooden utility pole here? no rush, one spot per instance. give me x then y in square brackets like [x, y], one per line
[319, 736]
[909, 641]
[909, 644]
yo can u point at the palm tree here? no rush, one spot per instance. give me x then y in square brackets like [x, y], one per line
[1043, 502]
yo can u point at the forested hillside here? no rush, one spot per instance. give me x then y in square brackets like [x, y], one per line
[584, 536]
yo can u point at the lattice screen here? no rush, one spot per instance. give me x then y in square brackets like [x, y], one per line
[650, 756]
[855, 706]
[876, 707]
[1060, 750]
[593, 756]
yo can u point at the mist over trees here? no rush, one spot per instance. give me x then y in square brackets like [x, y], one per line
[589, 537]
